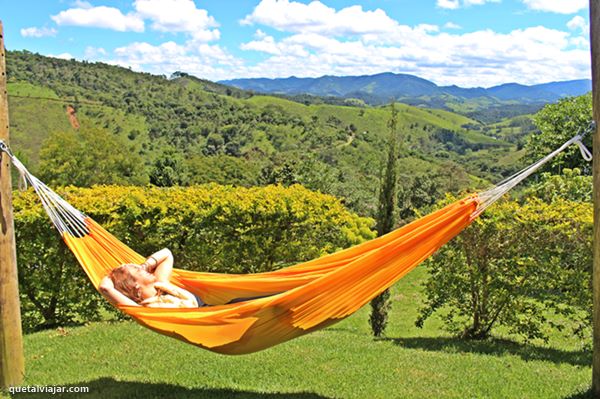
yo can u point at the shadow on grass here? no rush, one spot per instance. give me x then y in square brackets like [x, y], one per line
[496, 347]
[107, 388]
[581, 395]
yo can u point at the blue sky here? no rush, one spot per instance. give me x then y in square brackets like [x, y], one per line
[464, 42]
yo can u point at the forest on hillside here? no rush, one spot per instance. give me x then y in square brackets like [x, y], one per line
[182, 130]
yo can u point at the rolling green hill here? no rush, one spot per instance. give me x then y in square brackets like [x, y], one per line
[489, 105]
[210, 132]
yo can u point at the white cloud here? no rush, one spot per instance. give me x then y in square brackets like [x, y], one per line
[454, 4]
[452, 25]
[99, 17]
[557, 6]
[320, 40]
[578, 22]
[178, 16]
[479, 2]
[580, 42]
[38, 32]
[199, 59]
[81, 4]
[481, 58]
[62, 56]
[94, 53]
[265, 44]
[449, 4]
[171, 16]
[315, 17]
[259, 34]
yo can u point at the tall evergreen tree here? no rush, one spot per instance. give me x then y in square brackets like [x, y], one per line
[386, 218]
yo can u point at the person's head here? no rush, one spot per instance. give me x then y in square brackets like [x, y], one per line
[134, 282]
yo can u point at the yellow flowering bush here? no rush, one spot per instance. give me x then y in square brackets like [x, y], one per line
[208, 228]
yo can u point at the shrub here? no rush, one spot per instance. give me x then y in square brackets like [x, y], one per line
[516, 266]
[208, 228]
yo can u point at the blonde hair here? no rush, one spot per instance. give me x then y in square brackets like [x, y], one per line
[125, 282]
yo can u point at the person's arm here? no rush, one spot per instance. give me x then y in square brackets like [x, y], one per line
[107, 288]
[184, 295]
[162, 302]
[160, 264]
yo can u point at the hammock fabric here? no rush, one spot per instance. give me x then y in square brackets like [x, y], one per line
[295, 300]
[306, 296]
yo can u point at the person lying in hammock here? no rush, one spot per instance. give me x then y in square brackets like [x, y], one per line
[147, 284]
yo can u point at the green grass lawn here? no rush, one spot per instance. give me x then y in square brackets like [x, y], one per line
[125, 360]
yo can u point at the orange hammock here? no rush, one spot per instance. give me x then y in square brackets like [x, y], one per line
[299, 299]
[307, 296]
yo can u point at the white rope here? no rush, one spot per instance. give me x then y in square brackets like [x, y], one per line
[493, 194]
[63, 215]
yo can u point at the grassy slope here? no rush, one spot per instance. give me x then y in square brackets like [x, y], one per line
[34, 115]
[373, 121]
[198, 117]
[343, 361]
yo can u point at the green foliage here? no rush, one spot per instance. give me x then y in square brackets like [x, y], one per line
[490, 276]
[208, 228]
[228, 136]
[421, 191]
[571, 185]
[169, 170]
[89, 157]
[284, 175]
[380, 308]
[386, 219]
[222, 169]
[557, 123]
[24, 89]
[386, 210]
[54, 290]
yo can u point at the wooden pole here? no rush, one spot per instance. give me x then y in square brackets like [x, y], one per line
[595, 47]
[12, 366]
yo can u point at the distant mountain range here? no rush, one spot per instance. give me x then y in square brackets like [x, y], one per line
[384, 87]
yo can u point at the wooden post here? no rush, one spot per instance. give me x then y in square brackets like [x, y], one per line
[595, 47]
[12, 367]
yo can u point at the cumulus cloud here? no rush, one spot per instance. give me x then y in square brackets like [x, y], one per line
[99, 17]
[452, 25]
[81, 4]
[38, 32]
[178, 16]
[316, 17]
[580, 41]
[194, 55]
[449, 4]
[481, 58]
[579, 23]
[454, 4]
[316, 40]
[92, 53]
[557, 6]
[199, 59]
[164, 15]
[265, 44]
[62, 56]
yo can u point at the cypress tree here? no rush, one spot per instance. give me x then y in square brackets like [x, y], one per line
[386, 220]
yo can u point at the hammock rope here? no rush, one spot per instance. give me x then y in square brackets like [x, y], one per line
[295, 300]
[493, 194]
